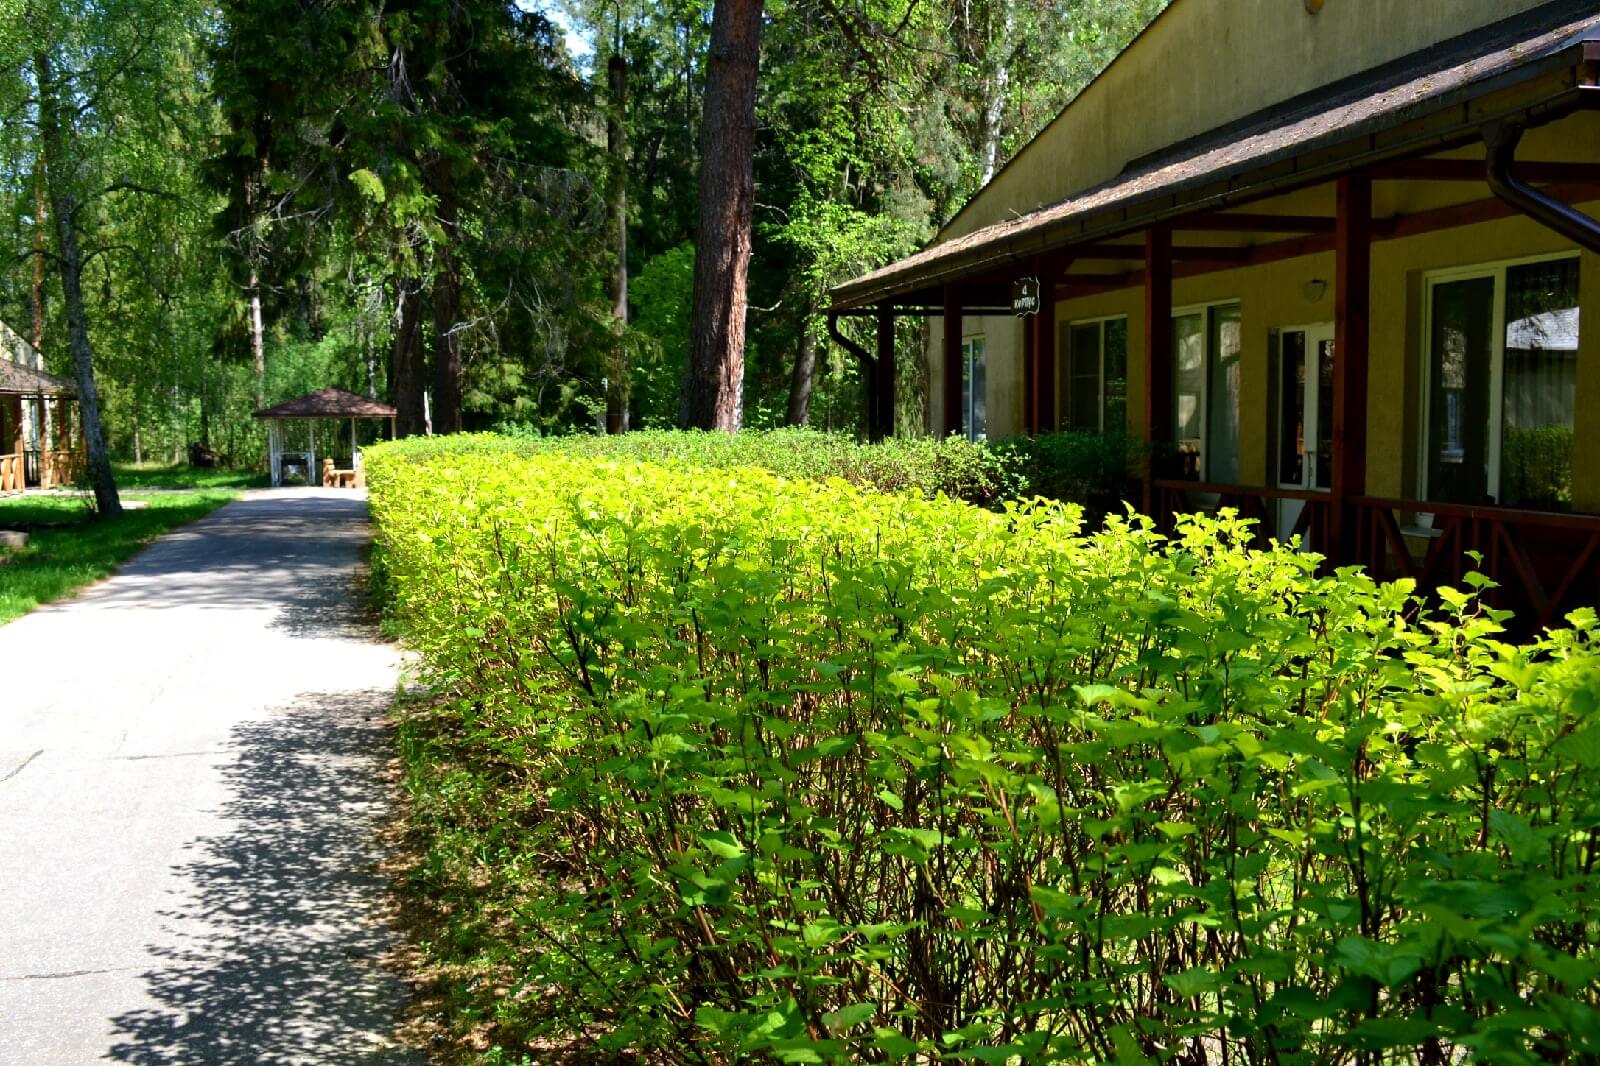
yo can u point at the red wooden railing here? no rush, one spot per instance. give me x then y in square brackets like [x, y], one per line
[1544, 563]
[1185, 497]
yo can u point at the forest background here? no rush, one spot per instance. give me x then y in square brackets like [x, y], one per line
[483, 212]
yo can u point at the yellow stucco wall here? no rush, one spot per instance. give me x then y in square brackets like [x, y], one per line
[1188, 74]
[1273, 297]
[1002, 338]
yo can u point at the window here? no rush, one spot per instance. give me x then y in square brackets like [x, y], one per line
[1501, 388]
[974, 390]
[1205, 400]
[1097, 375]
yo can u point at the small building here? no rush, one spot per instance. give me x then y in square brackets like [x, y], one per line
[292, 435]
[38, 420]
[1334, 262]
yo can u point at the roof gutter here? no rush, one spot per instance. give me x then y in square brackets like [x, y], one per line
[1582, 59]
[1500, 142]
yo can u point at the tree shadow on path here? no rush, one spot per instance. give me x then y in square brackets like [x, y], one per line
[276, 947]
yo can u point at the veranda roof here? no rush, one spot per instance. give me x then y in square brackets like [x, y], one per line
[25, 381]
[1423, 99]
[329, 403]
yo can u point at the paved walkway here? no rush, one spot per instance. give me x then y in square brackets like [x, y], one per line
[189, 781]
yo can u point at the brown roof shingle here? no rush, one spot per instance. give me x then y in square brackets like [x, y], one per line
[25, 381]
[328, 403]
[1384, 98]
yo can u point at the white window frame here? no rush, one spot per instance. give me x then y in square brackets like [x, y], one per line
[971, 398]
[1204, 311]
[1496, 269]
[1100, 369]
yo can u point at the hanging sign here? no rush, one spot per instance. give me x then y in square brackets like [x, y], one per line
[1025, 297]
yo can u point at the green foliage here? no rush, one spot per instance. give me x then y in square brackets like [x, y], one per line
[724, 766]
[953, 467]
[68, 548]
[133, 477]
[1077, 466]
[663, 295]
[1536, 467]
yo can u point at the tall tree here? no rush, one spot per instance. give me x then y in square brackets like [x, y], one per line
[58, 141]
[617, 369]
[714, 387]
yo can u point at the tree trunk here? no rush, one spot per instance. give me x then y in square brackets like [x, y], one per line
[39, 224]
[445, 291]
[406, 368]
[177, 424]
[258, 340]
[805, 374]
[715, 373]
[994, 105]
[617, 370]
[64, 204]
[138, 442]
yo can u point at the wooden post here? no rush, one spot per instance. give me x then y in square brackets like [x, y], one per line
[1157, 355]
[1043, 405]
[952, 360]
[1351, 342]
[1030, 380]
[880, 420]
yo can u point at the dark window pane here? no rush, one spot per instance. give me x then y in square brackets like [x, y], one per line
[1222, 405]
[1083, 391]
[1540, 384]
[1189, 363]
[1116, 375]
[1292, 410]
[976, 391]
[1460, 350]
[1324, 460]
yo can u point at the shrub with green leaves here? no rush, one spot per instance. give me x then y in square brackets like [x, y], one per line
[730, 767]
[954, 466]
[1095, 469]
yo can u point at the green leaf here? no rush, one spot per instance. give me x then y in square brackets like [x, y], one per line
[369, 185]
[848, 1017]
[722, 844]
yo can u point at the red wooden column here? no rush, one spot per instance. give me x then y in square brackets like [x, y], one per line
[880, 393]
[1030, 380]
[1043, 397]
[1351, 343]
[952, 360]
[1157, 355]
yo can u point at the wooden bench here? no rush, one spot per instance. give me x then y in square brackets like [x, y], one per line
[333, 478]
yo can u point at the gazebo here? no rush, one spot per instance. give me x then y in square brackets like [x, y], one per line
[332, 404]
[37, 429]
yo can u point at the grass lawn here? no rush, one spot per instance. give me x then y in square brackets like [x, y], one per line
[132, 477]
[68, 549]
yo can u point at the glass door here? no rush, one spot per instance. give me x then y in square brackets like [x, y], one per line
[1305, 417]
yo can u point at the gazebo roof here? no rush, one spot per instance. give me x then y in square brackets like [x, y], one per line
[25, 381]
[329, 403]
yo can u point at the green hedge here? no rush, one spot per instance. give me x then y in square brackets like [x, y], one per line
[730, 767]
[956, 467]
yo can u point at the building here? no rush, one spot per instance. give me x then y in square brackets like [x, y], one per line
[1334, 261]
[38, 420]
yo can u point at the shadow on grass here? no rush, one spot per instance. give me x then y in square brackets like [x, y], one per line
[278, 956]
[133, 477]
[70, 549]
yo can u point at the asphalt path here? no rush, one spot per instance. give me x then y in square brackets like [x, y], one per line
[191, 760]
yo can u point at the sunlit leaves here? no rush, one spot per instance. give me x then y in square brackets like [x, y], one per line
[878, 776]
